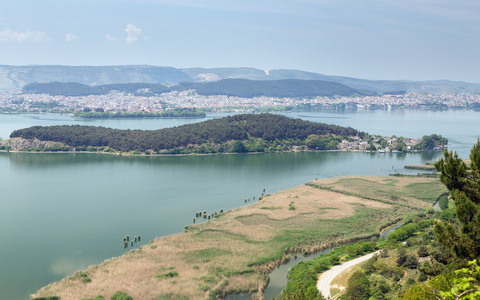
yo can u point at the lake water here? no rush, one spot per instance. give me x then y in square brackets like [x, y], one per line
[60, 213]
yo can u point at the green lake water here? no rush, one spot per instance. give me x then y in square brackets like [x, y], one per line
[60, 213]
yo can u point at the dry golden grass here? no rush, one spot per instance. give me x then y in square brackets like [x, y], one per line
[236, 250]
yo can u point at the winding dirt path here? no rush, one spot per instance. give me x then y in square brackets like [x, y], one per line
[325, 280]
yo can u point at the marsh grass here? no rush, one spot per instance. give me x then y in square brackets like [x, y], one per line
[235, 252]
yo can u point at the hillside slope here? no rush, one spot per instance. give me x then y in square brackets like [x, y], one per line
[15, 77]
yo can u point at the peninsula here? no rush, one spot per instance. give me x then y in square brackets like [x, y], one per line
[232, 134]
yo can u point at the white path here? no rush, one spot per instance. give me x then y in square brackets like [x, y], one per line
[325, 280]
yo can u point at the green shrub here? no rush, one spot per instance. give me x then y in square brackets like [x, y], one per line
[99, 297]
[86, 279]
[119, 295]
[208, 279]
[422, 277]
[167, 275]
[204, 287]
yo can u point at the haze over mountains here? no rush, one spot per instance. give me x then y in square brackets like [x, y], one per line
[15, 77]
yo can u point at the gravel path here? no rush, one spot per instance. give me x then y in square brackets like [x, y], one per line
[325, 280]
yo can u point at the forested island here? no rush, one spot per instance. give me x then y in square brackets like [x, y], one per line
[231, 134]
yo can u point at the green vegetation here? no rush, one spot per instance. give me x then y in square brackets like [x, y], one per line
[383, 275]
[231, 87]
[462, 236]
[420, 167]
[236, 252]
[119, 295]
[250, 133]
[433, 256]
[86, 279]
[358, 287]
[175, 113]
[429, 142]
[167, 275]
[170, 296]
[99, 297]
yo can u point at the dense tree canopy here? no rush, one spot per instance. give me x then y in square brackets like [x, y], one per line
[230, 87]
[258, 129]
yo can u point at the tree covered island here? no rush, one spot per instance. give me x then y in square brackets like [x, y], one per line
[231, 134]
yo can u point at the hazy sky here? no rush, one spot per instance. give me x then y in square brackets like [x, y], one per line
[372, 39]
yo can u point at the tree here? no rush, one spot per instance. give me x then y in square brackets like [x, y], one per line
[239, 147]
[401, 256]
[462, 236]
[401, 146]
[422, 251]
[119, 295]
[466, 284]
[312, 141]
[358, 287]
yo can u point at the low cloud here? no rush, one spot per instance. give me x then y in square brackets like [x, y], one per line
[71, 37]
[8, 35]
[133, 34]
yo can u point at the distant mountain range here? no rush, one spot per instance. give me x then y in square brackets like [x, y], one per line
[245, 88]
[15, 77]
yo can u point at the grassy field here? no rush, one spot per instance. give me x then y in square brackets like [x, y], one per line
[236, 251]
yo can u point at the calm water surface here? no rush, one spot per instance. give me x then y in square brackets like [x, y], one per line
[60, 213]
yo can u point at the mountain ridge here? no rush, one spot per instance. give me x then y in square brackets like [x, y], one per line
[15, 77]
[245, 88]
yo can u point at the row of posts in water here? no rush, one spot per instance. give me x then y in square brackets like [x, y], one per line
[126, 240]
[199, 214]
[213, 215]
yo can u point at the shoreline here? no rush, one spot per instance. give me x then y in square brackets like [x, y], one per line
[240, 245]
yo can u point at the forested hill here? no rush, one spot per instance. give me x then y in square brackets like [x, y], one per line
[257, 131]
[231, 87]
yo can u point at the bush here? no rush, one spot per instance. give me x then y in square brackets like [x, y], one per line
[86, 279]
[119, 295]
[167, 275]
[422, 251]
[358, 287]
[204, 287]
[422, 277]
[99, 297]
[411, 262]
